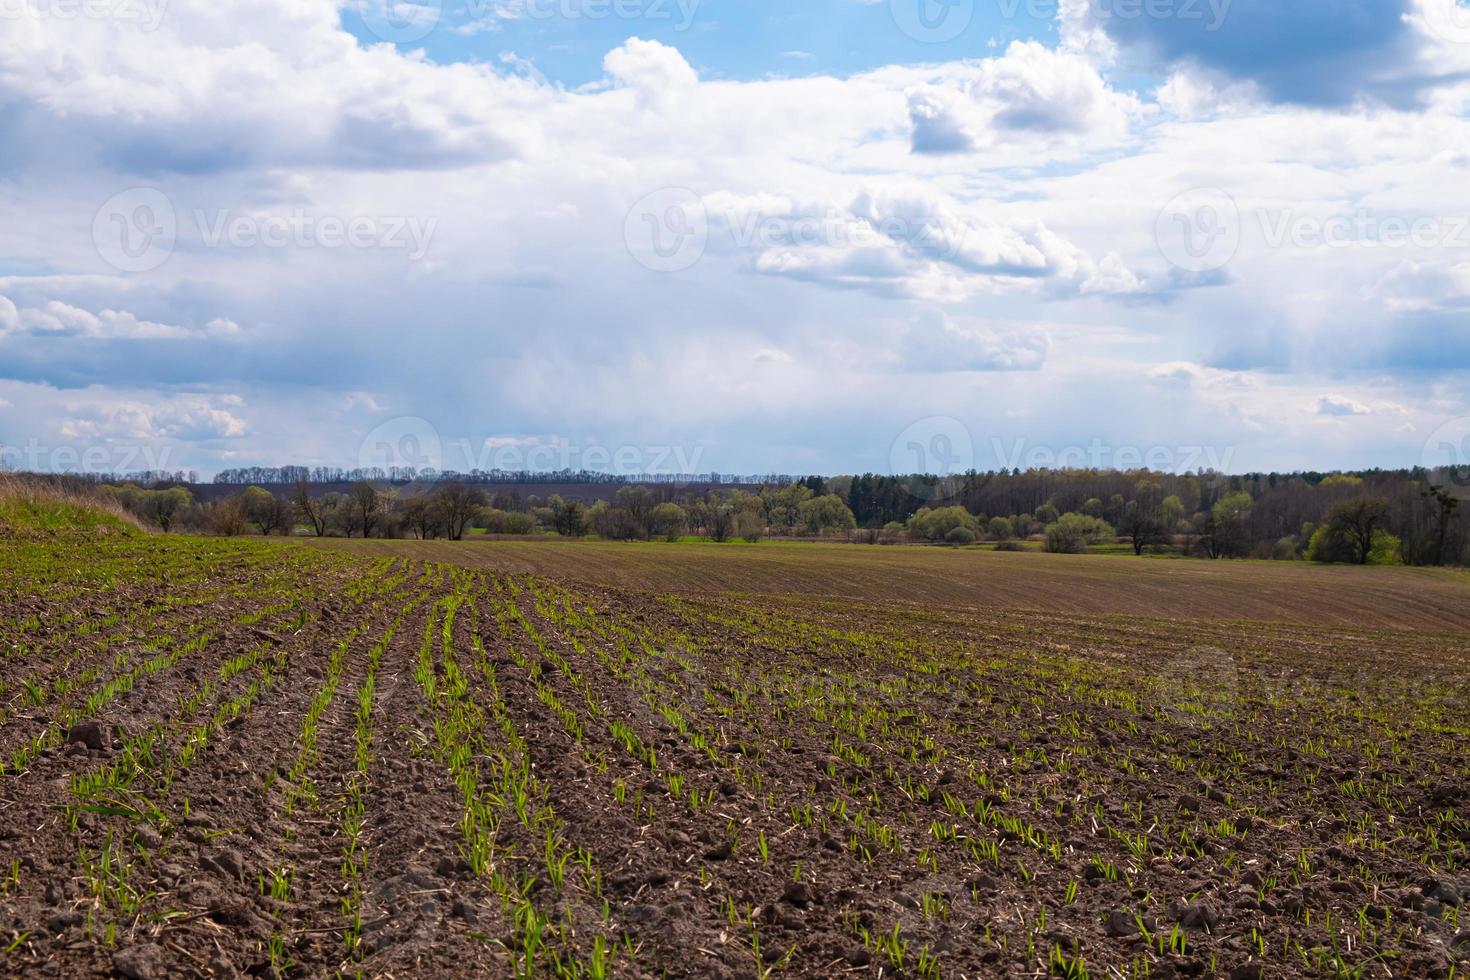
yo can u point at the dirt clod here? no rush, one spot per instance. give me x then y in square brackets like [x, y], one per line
[145, 961]
[88, 734]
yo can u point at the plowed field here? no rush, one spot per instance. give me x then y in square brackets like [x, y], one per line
[234, 759]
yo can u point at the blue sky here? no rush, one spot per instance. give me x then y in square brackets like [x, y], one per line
[737, 236]
[723, 39]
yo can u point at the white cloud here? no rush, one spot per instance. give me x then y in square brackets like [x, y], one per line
[218, 87]
[1042, 208]
[57, 318]
[1031, 94]
[657, 72]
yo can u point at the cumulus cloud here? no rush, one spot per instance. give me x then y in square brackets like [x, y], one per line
[187, 419]
[57, 318]
[655, 71]
[903, 239]
[1030, 94]
[214, 87]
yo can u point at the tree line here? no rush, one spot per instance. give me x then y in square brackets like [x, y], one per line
[290, 475]
[1372, 516]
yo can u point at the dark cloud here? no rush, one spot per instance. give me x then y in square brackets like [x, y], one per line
[1311, 52]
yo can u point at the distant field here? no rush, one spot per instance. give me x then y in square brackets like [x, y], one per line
[1428, 599]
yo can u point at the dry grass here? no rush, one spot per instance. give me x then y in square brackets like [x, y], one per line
[1284, 592]
[37, 507]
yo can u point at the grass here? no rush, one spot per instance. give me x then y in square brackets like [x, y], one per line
[32, 508]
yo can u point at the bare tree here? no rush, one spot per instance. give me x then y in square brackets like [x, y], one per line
[228, 517]
[310, 509]
[424, 517]
[458, 505]
[364, 508]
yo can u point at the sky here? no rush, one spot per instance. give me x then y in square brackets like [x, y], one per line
[739, 236]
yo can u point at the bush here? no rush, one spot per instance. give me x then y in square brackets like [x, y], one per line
[1071, 534]
[960, 536]
[1009, 546]
[614, 523]
[1288, 548]
[506, 522]
[828, 513]
[935, 525]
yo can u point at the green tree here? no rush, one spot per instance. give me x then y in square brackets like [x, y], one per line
[826, 513]
[1072, 533]
[669, 521]
[163, 507]
[569, 517]
[1354, 533]
[935, 525]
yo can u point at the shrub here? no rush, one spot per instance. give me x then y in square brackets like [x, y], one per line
[1288, 548]
[506, 522]
[1072, 533]
[935, 525]
[820, 514]
[961, 536]
[1009, 546]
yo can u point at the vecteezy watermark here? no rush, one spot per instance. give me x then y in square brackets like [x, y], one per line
[1199, 231]
[1193, 686]
[147, 14]
[1099, 455]
[406, 443]
[940, 21]
[139, 229]
[302, 229]
[1209, 14]
[679, 14]
[1362, 229]
[668, 230]
[410, 21]
[410, 443]
[1447, 458]
[938, 446]
[933, 21]
[400, 21]
[114, 457]
[135, 230]
[1202, 230]
[1448, 20]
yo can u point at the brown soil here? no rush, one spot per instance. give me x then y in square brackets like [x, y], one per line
[393, 769]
